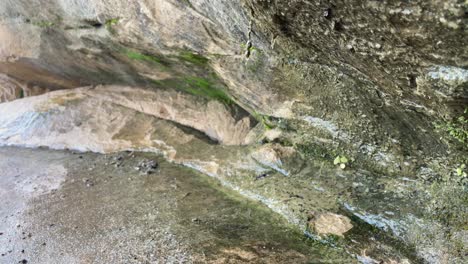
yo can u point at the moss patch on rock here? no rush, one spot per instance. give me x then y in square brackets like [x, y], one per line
[134, 55]
[193, 58]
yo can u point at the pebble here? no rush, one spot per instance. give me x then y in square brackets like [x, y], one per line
[147, 166]
[88, 182]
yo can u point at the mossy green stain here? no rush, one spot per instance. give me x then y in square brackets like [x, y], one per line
[44, 24]
[161, 63]
[196, 86]
[193, 58]
[264, 119]
[112, 22]
[204, 87]
[141, 57]
[456, 128]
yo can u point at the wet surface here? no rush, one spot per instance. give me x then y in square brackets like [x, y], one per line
[63, 207]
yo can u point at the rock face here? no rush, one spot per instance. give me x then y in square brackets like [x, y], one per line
[383, 83]
[99, 118]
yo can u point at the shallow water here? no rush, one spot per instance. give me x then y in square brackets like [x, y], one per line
[101, 209]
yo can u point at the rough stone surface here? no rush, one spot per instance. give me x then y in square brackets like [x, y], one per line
[35, 121]
[329, 223]
[369, 80]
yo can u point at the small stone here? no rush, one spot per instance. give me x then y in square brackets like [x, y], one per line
[153, 164]
[88, 182]
[327, 13]
[273, 134]
[261, 176]
[330, 223]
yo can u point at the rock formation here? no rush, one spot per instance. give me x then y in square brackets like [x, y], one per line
[264, 95]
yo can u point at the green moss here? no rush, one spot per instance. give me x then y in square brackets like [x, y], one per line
[44, 24]
[264, 119]
[196, 86]
[193, 58]
[141, 57]
[316, 151]
[161, 63]
[112, 22]
[204, 87]
[196, 80]
[456, 128]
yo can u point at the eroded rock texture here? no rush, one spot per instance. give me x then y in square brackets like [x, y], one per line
[263, 95]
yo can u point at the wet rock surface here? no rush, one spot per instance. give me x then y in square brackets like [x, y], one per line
[270, 173]
[126, 218]
[264, 96]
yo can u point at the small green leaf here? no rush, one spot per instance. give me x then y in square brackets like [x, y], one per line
[344, 160]
[337, 160]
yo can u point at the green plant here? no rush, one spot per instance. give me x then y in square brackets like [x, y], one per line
[112, 22]
[461, 171]
[342, 161]
[457, 128]
[250, 49]
[264, 119]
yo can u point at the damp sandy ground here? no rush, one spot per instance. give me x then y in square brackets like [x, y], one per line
[65, 207]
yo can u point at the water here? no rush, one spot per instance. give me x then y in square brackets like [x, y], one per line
[106, 211]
